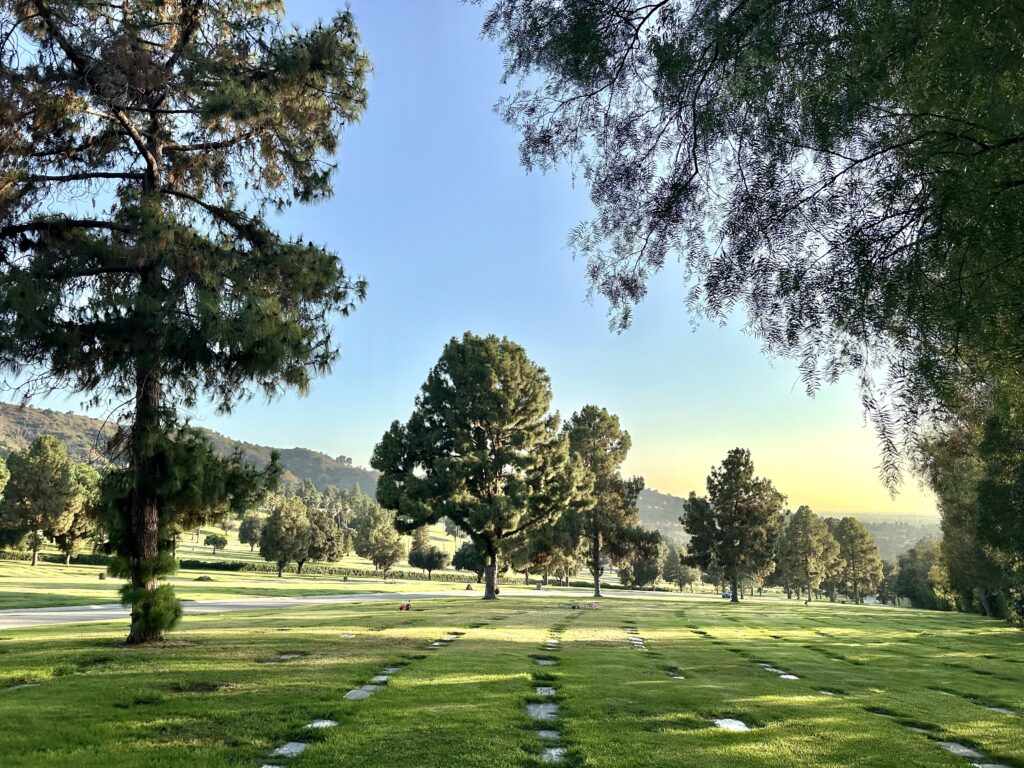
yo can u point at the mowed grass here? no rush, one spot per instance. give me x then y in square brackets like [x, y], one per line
[209, 697]
[49, 584]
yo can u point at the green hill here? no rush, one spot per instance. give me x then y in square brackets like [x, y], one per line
[85, 437]
[661, 512]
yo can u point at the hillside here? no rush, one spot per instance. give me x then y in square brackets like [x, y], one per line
[85, 436]
[661, 511]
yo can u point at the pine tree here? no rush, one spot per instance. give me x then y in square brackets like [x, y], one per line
[807, 550]
[610, 527]
[250, 530]
[734, 528]
[861, 563]
[468, 559]
[376, 537]
[143, 143]
[481, 449]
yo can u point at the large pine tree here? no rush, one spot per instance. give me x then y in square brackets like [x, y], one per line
[141, 144]
[481, 449]
[734, 528]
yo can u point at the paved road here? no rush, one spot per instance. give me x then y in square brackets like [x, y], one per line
[18, 618]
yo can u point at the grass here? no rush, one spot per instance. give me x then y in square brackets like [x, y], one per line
[209, 698]
[49, 584]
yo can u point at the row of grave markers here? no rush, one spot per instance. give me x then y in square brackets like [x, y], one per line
[547, 711]
[376, 683]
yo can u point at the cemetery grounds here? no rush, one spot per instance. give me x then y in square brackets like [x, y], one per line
[525, 681]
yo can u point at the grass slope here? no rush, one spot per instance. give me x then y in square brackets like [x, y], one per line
[209, 697]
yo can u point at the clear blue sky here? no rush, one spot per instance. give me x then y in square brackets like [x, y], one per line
[432, 207]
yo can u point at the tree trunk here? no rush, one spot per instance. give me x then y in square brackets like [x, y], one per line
[526, 576]
[490, 572]
[145, 511]
[280, 570]
[429, 575]
[735, 590]
[808, 592]
[545, 577]
[986, 604]
[299, 564]
[67, 558]
[856, 591]
[595, 563]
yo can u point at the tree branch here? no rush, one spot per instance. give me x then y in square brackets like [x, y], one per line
[126, 175]
[42, 225]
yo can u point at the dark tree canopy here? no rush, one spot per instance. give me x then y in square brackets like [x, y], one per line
[142, 143]
[974, 462]
[250, 530]
[848, 172]
[286, 533]
[468, 559]
[376, 537]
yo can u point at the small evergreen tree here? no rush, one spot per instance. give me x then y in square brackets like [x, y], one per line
[424, 555]
[610, 526]
[327, 540]
[861, 570]
[85, 497]
[216, 541]
[643, 569]
[481, 449]
[676, 571]
[250, 530]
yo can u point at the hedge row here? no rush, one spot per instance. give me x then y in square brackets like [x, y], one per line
[310, 569]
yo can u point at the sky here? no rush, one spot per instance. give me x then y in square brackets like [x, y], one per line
[432, 207]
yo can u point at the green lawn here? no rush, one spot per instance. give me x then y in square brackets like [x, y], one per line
[208, 697]
[50, 584]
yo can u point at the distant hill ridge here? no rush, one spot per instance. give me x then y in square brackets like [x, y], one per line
[84, 437]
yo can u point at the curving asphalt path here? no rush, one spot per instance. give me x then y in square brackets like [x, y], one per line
[20, 618]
